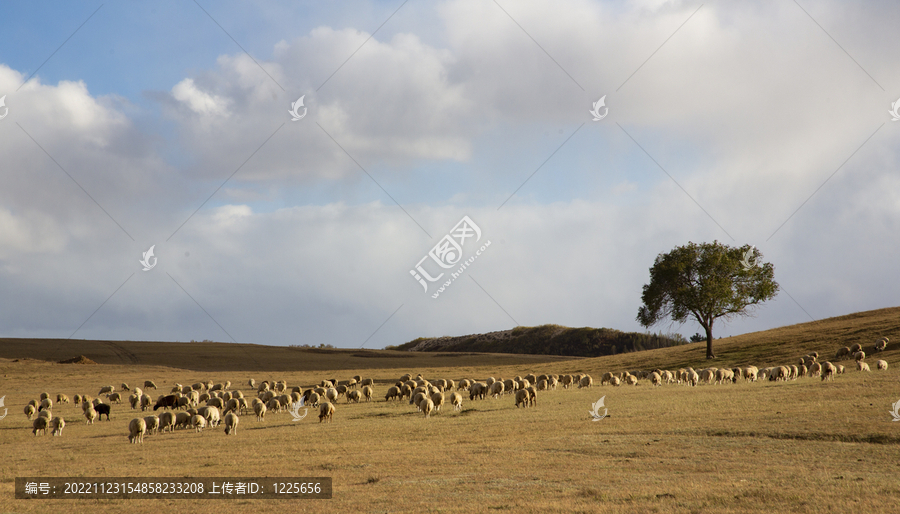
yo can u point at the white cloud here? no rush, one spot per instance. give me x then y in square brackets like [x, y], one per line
[199, 101]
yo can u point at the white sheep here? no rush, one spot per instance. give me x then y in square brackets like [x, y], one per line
[437, 398]
[57, 424]
[146, 401]
[855, 348]
[426, 406]
[107, 389]
[456, 401]
[29, 411]
[260, 410]
[45, 414]
[61, 398]
[881, 344]
[331, 394]
[655, 379]
[367, 391]
[211, 414]
[326, 411]
[183, 419]
[417, 399]
[167, 421]
[692, 377]
[40, 424]
[90, 414]
[114, 398]
[862, 366]
[631, 379]
[136, 430]
[614, 381]
[815, 370]
[366, 382]
[587, 381]
[232, 405]
[231, 423]
[149, 384]
[843, 352]
[750, 373]
[881, 364]
[497, 389]
[152, 423]
[840, 369]
[860, 355]
[198, 422]
[392, 392]
[46, 403]
[553, 382]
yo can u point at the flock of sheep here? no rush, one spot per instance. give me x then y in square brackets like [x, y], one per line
[206, 404]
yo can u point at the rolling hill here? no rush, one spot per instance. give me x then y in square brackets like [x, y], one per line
[775, 346]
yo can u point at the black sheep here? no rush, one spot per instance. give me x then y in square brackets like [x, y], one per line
[167, 401]
[102, 409]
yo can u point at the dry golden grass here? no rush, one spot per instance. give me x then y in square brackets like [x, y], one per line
[798, 446]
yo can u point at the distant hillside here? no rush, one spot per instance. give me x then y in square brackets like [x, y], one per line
[548, 340]
[212, 356]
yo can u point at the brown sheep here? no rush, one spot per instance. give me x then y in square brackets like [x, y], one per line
[828, 371]
[326, 411]
[522, 398]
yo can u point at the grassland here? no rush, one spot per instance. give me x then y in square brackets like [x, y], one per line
[799, 446]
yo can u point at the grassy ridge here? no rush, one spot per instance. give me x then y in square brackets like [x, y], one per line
[212, 356]
[548, 340]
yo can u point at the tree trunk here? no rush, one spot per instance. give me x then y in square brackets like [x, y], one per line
[709, 350]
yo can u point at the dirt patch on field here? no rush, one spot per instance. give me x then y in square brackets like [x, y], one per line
[81, 359]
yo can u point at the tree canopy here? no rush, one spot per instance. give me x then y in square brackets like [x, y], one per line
[705, 282]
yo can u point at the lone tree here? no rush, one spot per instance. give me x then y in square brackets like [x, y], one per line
[706, 281]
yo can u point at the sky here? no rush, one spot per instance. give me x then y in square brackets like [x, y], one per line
[445, 144]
